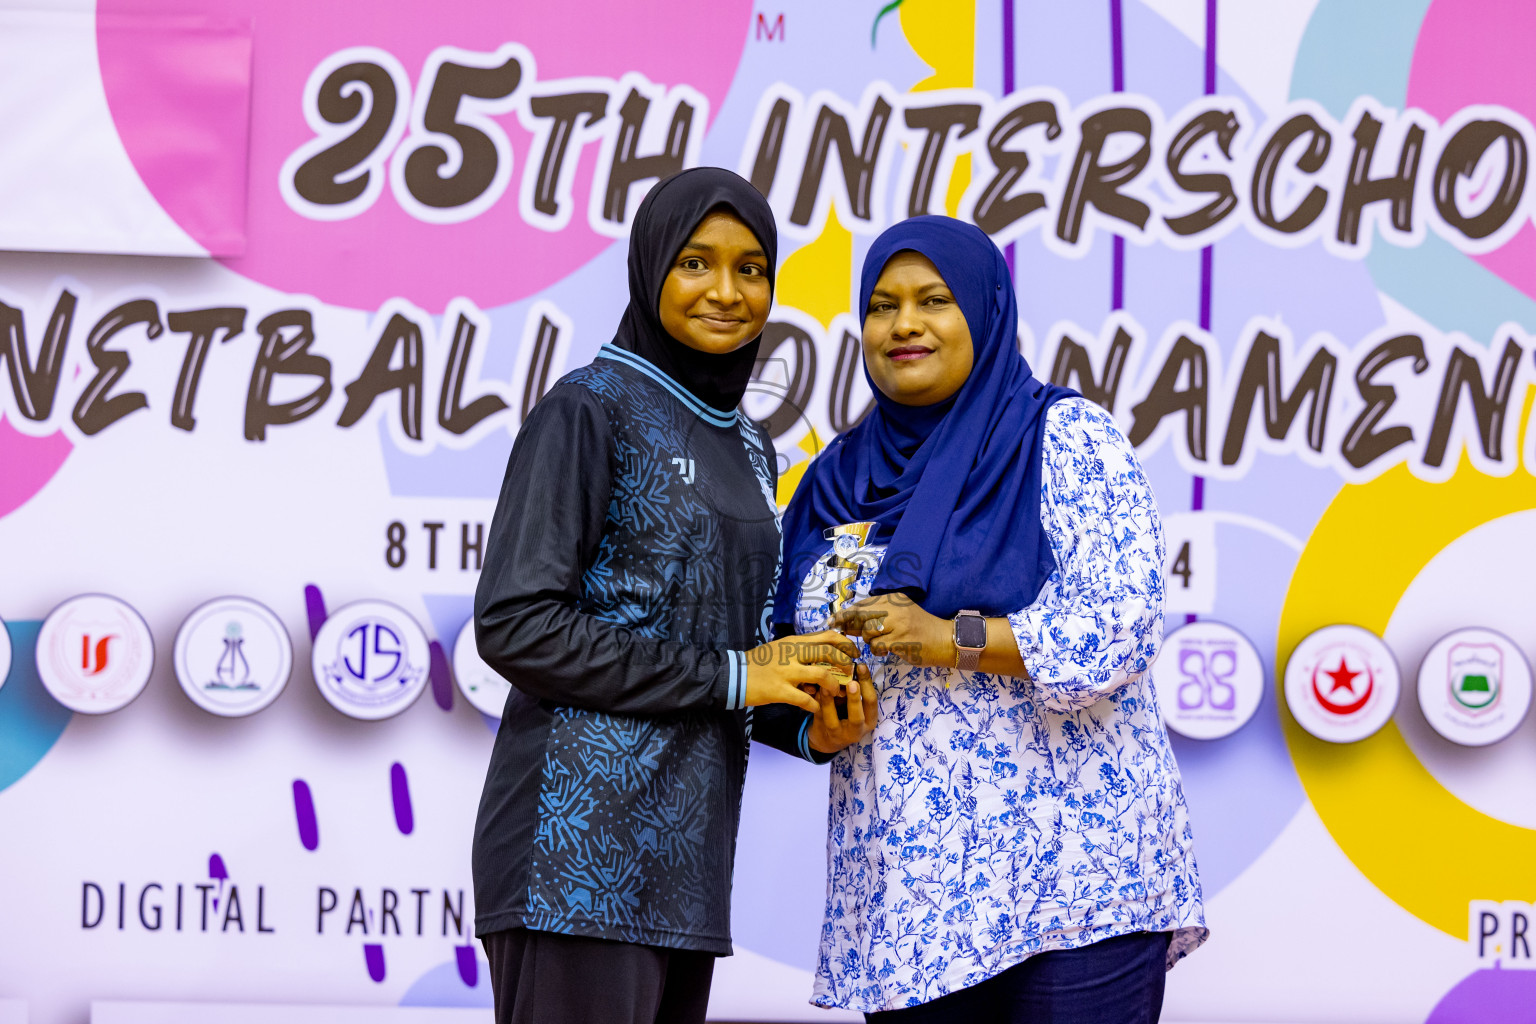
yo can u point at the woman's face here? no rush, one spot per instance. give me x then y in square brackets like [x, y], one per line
[917, 344]
[716, 296]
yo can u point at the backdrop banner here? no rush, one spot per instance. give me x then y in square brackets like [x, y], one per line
[283, 279]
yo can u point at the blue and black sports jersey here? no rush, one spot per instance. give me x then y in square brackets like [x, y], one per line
[631, 561]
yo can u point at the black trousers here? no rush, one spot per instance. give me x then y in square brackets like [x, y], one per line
[545, 978]
[1116, 981]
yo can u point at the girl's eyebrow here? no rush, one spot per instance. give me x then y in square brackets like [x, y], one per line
[706, 247]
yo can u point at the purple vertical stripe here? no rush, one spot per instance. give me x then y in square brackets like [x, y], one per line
[1116, 47]
[400, 790]
[1210, 47]
[1207, 255]
[314, 605]
[304, 811]
[469, 967]
[1196, 503]
[1008, 86]
[1205, 287]
[1117, 82]
[1007, 46]
[216, 867]
[441, 675]
[1117, 278]
[373, 956]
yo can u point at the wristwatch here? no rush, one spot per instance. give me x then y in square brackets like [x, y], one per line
[970, 639]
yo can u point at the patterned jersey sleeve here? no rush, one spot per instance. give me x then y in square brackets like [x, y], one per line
[1098, 621]
[529, 625]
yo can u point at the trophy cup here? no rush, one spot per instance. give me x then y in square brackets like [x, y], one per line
[846, 540]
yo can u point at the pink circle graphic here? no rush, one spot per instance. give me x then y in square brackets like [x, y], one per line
[493, 258]
[1472, 52]
[30, 462]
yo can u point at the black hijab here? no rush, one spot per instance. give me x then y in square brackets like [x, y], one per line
[663, 224]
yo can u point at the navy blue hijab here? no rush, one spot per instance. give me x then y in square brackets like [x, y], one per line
[954, 487]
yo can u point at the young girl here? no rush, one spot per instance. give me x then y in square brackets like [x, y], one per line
[630, 564]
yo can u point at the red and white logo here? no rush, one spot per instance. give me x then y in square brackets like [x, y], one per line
[94, 654]
[1342, 679]
[1342, 684]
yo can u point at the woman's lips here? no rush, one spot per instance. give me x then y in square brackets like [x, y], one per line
[908, 353]
[716, 323]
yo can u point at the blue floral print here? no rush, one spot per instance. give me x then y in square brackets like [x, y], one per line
[989, 818]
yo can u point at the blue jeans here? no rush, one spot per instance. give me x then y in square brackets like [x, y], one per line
[1116, 981]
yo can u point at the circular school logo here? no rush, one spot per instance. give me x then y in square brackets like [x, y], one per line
[233, 656]
[480, 684]
[94, 654]
[5, 653]
[1209, 680]
[1474, 687]
[370, 660]
[1342, 684]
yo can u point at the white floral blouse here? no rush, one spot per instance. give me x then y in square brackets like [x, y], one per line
[990, 818]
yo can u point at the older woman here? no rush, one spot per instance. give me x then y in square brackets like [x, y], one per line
[1012, 843]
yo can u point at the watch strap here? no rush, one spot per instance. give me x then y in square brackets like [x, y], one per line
[968, 658]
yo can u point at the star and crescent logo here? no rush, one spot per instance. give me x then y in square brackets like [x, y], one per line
[1342, 683]
[1342, 690]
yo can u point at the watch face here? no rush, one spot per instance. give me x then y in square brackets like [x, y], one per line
[970, 631]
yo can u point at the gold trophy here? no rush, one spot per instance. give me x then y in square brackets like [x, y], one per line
[846, 540]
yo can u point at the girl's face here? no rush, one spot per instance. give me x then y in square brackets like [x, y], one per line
[716, 296]
[917, 344]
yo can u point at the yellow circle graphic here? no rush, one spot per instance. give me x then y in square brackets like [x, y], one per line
[1417, 842]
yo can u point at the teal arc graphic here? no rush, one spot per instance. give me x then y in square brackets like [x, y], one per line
[31, 721]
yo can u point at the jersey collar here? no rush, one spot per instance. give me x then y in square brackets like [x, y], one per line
[703, 411]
